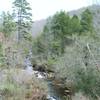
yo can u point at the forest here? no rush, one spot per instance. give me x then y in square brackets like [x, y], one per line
[62, 62]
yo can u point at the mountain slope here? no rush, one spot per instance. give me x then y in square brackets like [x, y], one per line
[37, 26]
[95, 9]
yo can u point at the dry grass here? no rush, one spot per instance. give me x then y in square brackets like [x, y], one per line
[20, 85]
[79, 96]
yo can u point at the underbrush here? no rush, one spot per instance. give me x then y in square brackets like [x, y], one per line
[20, 85]
[78, 66]
[88, 82]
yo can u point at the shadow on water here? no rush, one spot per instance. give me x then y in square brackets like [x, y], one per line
[55, 91]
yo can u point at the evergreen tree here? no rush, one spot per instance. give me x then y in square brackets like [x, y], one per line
[60, 27]
[23, 16]
[86, 21]
[60, 24]
[7, 24]
[75, 24]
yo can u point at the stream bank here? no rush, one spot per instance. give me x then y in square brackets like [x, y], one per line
[56, 89]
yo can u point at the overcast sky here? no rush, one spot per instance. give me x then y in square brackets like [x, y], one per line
[41, 9]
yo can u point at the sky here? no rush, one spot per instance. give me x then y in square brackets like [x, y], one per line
[42, 9]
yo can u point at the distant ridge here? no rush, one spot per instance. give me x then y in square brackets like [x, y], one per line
[38, 26]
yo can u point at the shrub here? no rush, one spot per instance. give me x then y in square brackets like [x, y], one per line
[18, 84]
[88, 82]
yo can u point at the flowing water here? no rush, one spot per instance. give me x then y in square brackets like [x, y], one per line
[53, 94]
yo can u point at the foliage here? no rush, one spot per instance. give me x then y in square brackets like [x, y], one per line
[40, 45]
[86, 21]
[72, 66]
[75, 24]
[60, 27]
[2, 56]
[88, 84]
[18, 85]
[7, 88]
[72, 56]
[59, 30]
[52, 40]
[7, 24]
[60, 24]
[23, 16]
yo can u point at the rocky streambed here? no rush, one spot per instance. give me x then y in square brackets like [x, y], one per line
[56, 87]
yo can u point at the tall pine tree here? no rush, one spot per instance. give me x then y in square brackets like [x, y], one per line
[23, 16]
[86, 21]
[60, 27]
[75, 24]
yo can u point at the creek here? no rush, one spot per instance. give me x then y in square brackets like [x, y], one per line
[53, 93]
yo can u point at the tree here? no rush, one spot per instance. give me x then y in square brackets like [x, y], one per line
[86, 21]
[40, 45]
[23, 16]
[60, 27]
[75, 24]
[60, 24]
[7, 24]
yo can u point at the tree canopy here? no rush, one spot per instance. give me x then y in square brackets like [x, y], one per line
[23, 15]
[8, 26]
[86, 21]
